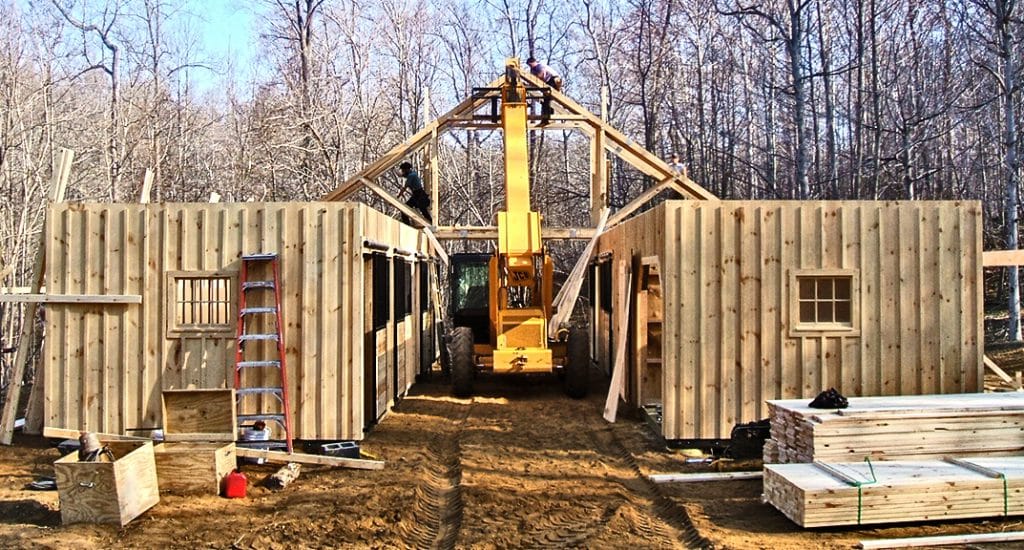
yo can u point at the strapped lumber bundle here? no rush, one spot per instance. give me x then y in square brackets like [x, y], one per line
[860, 493]
[904, 428]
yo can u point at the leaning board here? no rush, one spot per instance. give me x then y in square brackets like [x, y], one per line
[815, 495]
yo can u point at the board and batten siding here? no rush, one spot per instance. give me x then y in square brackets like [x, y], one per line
[105, 365]
[727, 268]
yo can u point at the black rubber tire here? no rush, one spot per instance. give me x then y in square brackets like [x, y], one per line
[577, 363]
[461, 355]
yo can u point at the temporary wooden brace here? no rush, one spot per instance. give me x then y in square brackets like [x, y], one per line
[147, 187]
[942, 540]
[611, 404]
[704, 476]
[284, 458]
[566, 299]
[58, 185]
[72, 298]
[990, 365]
[1002, 258]
[490, 233]
[62, 433]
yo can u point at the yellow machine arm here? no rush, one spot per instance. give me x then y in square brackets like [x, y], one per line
[521, 272]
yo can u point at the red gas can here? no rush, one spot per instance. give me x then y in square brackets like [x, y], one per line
[234, 485]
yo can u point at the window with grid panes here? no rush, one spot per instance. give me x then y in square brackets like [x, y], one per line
[825, 301]
[201, 302]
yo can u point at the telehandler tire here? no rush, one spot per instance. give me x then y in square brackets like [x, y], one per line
[462, 361]
[577, 363]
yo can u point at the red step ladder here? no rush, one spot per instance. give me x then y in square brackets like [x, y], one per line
[254, 304]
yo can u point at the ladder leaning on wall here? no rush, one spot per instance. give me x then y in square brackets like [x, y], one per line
[259, 324]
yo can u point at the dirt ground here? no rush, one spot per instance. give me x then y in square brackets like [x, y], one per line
[518, 466]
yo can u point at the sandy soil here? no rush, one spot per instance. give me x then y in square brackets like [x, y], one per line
[518, 466]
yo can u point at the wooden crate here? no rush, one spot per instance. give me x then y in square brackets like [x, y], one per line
[108, 492]
[199, 434]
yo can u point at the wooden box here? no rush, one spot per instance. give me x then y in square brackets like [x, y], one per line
[199, 434]
[108, 492]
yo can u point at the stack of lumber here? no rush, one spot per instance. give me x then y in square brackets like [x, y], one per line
[891, 428]
[819, 495]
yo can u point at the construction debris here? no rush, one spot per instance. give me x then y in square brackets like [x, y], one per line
[283, 477]
[284, 458]
[703, 476]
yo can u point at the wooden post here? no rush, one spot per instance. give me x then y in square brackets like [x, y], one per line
[58, 185]
[435, 192]
[598, 176]
[611, 404]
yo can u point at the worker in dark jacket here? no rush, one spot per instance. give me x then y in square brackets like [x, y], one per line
[551, 78]
[418, 198]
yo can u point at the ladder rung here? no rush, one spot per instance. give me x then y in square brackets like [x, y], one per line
[257, 364]
[255, 310]
[250, 337]
[260, 257]
[252, 391]
[257, 285]
[279, 418]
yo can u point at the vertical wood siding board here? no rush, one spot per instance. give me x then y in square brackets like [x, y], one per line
[327, 236]
[689, 290]
[960, 301]
[788, 375]
[903, 274]
[975, 323]
[766, 363]
[778, 323]
[878, 354]
[924, 258]
[61, 375]
[894, 319]
[727, 383]
[950, 326]
[805, 259]
[749, 313]
[700, 356]
[838, 258]
[91, 360]
[673, 312]
[314, 249]
[852, 252]
[355, 322]
[142, 315]
[942, 291]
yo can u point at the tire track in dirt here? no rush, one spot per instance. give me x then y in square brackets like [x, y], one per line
[661, 507]
[437, 509]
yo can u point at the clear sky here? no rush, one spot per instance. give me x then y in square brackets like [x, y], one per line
[227, 31]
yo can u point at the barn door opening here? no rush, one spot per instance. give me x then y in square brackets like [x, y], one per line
[376, 308]
[650, 312]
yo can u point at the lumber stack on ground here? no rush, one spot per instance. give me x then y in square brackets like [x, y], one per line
[903, 427]
[820, 495]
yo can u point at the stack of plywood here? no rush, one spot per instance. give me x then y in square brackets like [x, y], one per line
[855, 493]
[904, 427]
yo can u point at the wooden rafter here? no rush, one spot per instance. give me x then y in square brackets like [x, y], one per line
[627, 149]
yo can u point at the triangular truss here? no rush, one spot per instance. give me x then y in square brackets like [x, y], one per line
[604, 139]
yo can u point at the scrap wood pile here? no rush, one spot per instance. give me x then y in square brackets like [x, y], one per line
[905, 427]
[860, 493]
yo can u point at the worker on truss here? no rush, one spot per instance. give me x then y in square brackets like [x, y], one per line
[551, 78]
[418, 198]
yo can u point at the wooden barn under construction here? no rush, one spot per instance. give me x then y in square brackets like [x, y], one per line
[727, 304]
[150, 304]
[709, 307]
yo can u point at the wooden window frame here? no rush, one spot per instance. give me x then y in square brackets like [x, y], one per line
[799, 329]
[178, 330]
